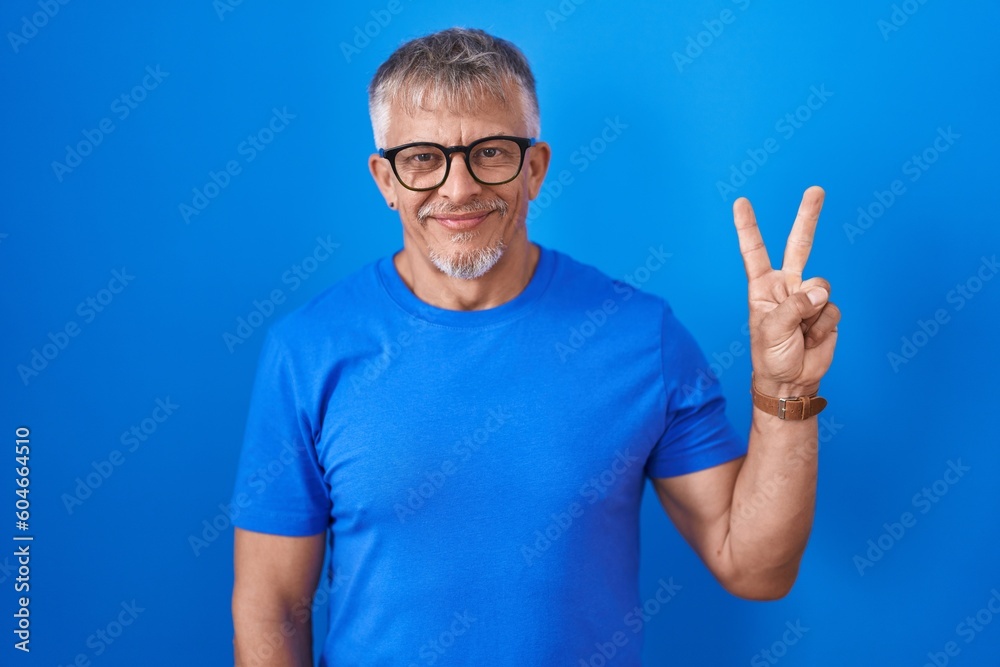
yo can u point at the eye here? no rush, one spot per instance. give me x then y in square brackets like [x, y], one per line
[420, 159]
[489, 152]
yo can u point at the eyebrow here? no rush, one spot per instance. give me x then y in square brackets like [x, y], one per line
[498, 133]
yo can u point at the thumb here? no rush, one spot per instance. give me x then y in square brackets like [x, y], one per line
[797, 308]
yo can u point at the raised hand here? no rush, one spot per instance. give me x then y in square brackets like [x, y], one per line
[793, 323]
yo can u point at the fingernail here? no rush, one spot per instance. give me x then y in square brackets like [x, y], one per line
[817, 296]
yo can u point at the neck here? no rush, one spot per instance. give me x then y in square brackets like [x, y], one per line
[497, 286]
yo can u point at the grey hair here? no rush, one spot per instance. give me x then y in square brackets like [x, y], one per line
[458, 68]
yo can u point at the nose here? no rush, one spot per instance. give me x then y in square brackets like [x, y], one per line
[460, 186]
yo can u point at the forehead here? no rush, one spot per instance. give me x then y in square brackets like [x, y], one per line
[427, 116]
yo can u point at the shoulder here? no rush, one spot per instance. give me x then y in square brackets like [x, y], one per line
[583, 284]
[620, 303]
[333, 312]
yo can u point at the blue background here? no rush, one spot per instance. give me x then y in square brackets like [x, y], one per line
[890, 432]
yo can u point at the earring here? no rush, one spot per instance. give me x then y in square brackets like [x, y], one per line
[392, 204]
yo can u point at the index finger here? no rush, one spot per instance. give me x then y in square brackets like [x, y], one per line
[755, 259]
[800, 239]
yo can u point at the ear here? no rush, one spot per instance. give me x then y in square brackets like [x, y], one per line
[537, 165]
[384, 178]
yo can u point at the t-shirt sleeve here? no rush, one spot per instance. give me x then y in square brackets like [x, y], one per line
[697, 434]
[279, 486]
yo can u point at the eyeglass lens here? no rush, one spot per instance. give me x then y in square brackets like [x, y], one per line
[492, 162]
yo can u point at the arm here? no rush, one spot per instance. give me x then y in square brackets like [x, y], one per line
[749, 519]
[275, 578]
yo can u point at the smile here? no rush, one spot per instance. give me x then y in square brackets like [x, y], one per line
[461, 223]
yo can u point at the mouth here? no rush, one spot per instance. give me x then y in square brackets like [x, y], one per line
[462, 219]
[461, 222]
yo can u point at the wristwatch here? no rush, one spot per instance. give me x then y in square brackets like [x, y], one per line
[794, 408]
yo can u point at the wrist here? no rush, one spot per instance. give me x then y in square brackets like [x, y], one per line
[786, 401]
[780, 389]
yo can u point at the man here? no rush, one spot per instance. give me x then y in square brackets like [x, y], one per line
[479, 467]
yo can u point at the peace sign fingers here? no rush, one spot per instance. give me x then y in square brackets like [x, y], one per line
[793, 324]
[800, 239]
[755, 259]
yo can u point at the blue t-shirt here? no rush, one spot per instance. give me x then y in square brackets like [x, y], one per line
[480, 472]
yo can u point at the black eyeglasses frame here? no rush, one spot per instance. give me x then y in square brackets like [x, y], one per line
[524, 143]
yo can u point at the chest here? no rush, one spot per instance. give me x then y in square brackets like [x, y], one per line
[437, 426]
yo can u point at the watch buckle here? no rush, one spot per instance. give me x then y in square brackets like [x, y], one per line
[782, 405]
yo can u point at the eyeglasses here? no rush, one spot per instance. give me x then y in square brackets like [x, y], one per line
[490, 160]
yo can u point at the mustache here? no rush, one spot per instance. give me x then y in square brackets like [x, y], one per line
[475, 206]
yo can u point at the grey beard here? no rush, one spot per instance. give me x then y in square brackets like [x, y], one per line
[465, 265]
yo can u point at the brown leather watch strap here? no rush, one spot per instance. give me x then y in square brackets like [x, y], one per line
[794, 408]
